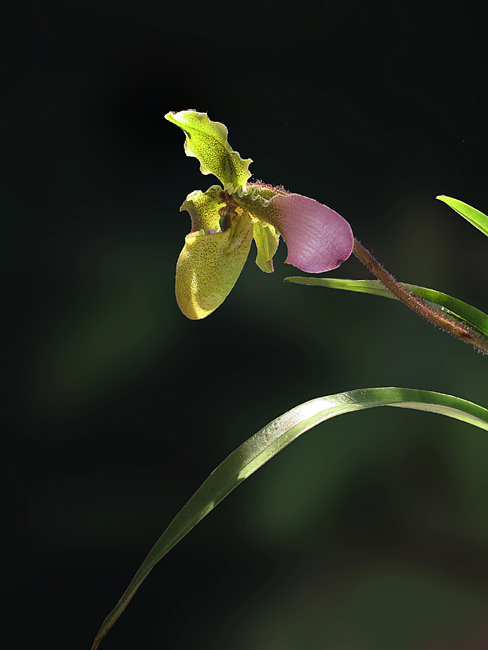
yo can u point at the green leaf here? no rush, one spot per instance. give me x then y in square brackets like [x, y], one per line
[460, 310]
[474, 216]
[207, 141]
[267, 442]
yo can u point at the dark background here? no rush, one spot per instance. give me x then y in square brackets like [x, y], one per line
[370, 532]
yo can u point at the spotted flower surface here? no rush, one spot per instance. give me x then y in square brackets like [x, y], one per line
[225, 219]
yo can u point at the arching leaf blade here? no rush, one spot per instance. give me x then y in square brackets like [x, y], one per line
[468, 314]
[271, 439]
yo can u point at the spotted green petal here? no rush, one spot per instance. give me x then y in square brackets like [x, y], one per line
[207, 141]
[203, 208]
[210, 263]
[267, 240]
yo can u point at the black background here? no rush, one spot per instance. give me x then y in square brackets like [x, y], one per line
[371, 531]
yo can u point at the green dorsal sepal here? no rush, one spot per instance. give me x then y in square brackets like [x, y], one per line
[207, 141]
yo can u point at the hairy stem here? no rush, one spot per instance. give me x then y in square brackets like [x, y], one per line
[442, 320]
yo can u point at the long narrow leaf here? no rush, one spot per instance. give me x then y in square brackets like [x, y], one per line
[473, 317]
[267, 442]
[474, 216]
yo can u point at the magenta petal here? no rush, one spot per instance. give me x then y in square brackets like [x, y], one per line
[318, 239]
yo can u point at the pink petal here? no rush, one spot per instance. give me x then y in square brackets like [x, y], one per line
[318, 239]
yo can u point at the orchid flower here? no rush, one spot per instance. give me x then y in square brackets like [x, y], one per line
[225, 219]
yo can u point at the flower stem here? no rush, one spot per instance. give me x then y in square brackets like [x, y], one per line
[455, 327]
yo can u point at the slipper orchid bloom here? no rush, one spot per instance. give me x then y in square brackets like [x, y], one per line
[225, 219]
